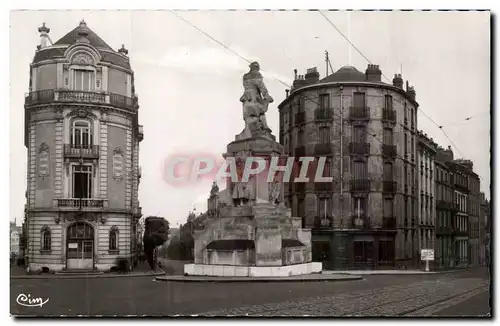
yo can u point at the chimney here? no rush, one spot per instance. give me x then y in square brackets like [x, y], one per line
[312, 76]
[44, 37]
[411, 92]
[397, 81]
[373, 73]
[299, 82]
[295, 74]
[287, 91]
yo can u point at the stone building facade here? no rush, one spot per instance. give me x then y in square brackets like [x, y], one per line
[82, 136]
[426, 191]
[367, 130]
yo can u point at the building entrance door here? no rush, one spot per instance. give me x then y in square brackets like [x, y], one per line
[80, 246]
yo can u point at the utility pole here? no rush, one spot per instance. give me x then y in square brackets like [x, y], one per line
[326, 61]
[341, 157]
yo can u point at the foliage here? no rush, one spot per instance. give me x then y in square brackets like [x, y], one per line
[155, 234]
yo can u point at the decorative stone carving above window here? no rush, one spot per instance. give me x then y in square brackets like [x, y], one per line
[118, 164]
[82, 59]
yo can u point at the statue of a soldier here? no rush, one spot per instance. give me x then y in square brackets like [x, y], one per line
[255, 101]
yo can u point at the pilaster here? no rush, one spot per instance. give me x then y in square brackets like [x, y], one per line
[128, 169]
[32, 168]
[103, 156]
[58, 179]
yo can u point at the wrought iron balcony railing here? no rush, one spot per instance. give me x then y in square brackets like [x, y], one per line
[359, 148]
[389, 115]
[300, 118]
[360, 185]
[323, 222]
[49, 95]
[359, 113]
[81, 203]
[323, 114]
[389, 186]
[323, 149]
[389, 151]
[389, 223]
[323, 186]
[361, 222]
[84, 151]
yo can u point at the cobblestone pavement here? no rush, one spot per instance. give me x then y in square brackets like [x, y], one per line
[389, 301]
[140, 296]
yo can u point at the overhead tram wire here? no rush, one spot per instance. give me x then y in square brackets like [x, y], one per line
[277, 79]
[425, 115]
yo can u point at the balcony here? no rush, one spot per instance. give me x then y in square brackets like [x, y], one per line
[389, 187]
[389, 151]
[48, 96]
[359, 149]
[389, 115]
[360, 185]
[300, 151]
[300, 118]
[140, 132]
[323, 223]
[361, 222]
[389, 223]
[323, 186]
[323, 114]
[323, 149]
[359, 113]
[81, 151]
[86, 204]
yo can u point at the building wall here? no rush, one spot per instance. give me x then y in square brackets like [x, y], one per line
[51, 125]
[341, 208]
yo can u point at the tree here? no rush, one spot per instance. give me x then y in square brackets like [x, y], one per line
[155, 234]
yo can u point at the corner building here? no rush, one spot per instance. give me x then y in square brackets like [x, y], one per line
[367, 130]
[82, 136]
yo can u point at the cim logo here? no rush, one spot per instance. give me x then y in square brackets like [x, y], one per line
[29, 301]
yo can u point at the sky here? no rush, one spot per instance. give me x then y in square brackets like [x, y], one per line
[189, 85]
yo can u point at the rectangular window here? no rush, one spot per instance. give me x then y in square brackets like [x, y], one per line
[324, 208]
[324, 135]
[388, 206]
[359, 206]
[388, 139]
[388, 171]
[359, 100]
[324, 101]
[82, 181]
[301, 138]
[359, 134]
[411, 116]
[359, 170]
[388, 102]
[83, 80]
[302, 104]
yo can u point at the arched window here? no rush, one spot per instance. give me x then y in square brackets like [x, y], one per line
[113, 238]
[46, 238]
[81, 134]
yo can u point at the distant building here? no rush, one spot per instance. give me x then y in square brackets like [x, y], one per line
[484, 230]
[15, 239]
[82, 134]
[367, 130]
[426, 153]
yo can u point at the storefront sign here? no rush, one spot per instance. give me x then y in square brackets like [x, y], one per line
[427, 254]
[118, 165]
[43, 161]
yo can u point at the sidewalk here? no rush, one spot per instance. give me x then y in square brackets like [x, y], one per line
[20, 273]
[392, 272]
[232, 279]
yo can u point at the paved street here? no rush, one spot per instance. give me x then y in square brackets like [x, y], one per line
[413, 295]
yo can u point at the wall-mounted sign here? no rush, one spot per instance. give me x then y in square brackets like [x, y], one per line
[73, 245]
[118, 164]
[43, 161]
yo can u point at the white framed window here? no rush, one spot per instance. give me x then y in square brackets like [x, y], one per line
[82, 181]
[83, 80]
[81, 134]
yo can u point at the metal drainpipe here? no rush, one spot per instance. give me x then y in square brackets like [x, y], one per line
[341, 157]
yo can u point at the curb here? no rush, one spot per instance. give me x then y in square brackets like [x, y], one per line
[188, 279]
[398, 274]
[84, 276]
